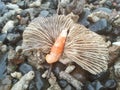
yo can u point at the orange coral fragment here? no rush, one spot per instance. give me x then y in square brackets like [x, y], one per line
[57, 48]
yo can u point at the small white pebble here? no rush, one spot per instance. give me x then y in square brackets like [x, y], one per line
[70, 68]
[9, 25]
[37, 3]
[116, 43]
[44, 75]
[17, 75]
[4, 48]
[18, 48]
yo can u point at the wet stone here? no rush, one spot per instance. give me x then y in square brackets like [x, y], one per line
[100, 26]
[5, 84]
[25, 68]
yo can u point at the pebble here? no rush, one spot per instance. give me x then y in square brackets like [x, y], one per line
[53, 83]
[32, 12]
[91, 1]
[18, 48]
[69, 68]
[25, 68]
[8, 26]
[3, 48]
[8, 15]
[36, 3]
[11, 54]
[12, 6]
[14, 1]
[45, 5]
[96, 85]
[6, 1]
[68, 87]
[13, 38]
[23, 83]
[96, 16]
[3, 8]
[38, 80]
[111, 84]
[58, 67]
[63, 83]
[100, 26]
[17, 75]
[116, 22]
[116, 30]
[3, 65]
[70, 79]
[44, 13]
[116, 43]
[23, 4]
[3, 37]
[104, 9]
[21, 28]
[114, 54]
[83, 19]
[6, 83]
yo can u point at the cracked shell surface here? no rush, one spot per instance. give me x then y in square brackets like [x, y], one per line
[82, 46]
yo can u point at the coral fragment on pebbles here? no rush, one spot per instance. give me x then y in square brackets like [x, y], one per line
[23, 83]
[82, 46]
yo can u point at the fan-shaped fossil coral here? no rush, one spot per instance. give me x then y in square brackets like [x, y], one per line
[82, 46]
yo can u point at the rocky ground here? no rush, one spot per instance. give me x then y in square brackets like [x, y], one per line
[100, 16]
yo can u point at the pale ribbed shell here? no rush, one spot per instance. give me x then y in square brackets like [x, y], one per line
[83, 46]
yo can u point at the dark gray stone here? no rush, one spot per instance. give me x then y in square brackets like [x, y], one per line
[25, 68]
[38, 80]
[111, 84]
[13, 38]
[3, 65]
[21, 28]
[3, 8]
[63, 83]
[100, 26]
[84, 20]
[23, 4]
[3, 37]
